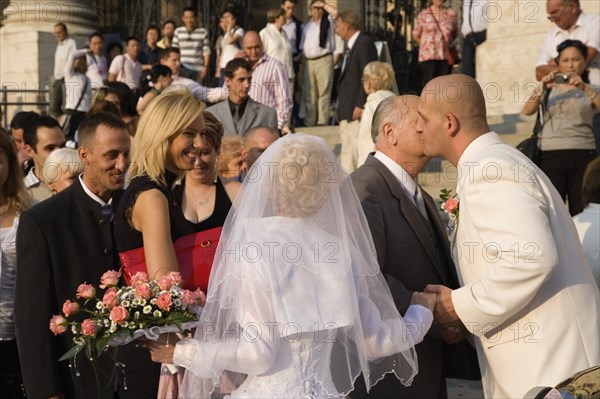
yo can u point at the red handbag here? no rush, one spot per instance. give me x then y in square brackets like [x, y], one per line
[195, 254]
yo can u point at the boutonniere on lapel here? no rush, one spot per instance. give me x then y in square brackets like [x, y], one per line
[450, 205]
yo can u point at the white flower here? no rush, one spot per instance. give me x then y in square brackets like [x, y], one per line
[157, 313]
[74, 329]
[126, 304]
[153, 301]
[142, 302]
[106, 323]
[147, 309]
[99, 305]
[132, 326]
[136, 315]
[113, 328]
[136, 302]
[177, 303]
[125, 324]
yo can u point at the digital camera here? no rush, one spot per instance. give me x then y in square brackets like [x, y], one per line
[561, 78]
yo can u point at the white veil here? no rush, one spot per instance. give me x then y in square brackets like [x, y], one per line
[296, 263]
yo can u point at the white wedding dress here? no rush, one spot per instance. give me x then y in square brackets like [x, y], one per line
[287, 343]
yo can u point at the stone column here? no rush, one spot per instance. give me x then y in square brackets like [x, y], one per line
[27, 43]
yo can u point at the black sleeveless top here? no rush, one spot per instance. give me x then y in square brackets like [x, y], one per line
[128, 238]
[222, 207]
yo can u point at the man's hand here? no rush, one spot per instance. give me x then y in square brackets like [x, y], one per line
[357, 113]
[444, 308]
[454, 333]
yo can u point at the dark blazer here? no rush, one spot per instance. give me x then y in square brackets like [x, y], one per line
[61, 243]
[255, 114]
[412, 253]
[350, 92]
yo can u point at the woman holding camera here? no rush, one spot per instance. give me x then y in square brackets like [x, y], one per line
[569, 104]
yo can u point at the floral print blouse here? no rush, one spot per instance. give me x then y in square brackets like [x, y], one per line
[433, 36]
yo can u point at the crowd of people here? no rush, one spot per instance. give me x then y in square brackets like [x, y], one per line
[139, 159]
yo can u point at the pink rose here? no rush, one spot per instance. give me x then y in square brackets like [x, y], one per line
[200, 297]
[176, 277]
[139, 278]
[165, 282]
[70, 308]
[109, 278]
[109, 297]
[164, 301]
[119, 314]
[188, 297]
[56, 324]
[451, 205]
[86, 291]
[143, 291]
[89, 327]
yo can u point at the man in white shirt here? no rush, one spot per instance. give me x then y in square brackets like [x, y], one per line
[171, 57]
[79, 91]
[126, 68]
[293, 30]
[318, 44]
[474, 31]
[65, 46]
[97, 70]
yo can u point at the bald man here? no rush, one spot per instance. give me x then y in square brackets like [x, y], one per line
[270, 81]
[411, 243]
[528, 295]
[256, 142]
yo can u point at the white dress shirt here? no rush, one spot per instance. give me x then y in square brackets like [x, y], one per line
[310, 40]
[76, 85]
[63, 49]
[587, 224]
[407, 182]
[97, 70]
[276, 44]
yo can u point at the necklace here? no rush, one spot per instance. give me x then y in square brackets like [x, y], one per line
[204, 201]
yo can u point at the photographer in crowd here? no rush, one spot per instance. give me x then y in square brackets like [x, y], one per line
[566, 140]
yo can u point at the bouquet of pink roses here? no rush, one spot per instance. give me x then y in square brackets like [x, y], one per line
[146, 308]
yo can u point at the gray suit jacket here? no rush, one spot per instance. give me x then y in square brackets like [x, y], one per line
[412, 253]
[255, 115]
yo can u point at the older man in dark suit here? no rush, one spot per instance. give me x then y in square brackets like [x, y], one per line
[351, 94]
[61, 243]
[411, 243]
[239, 112]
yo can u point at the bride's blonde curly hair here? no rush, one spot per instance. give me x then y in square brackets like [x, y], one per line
[304, 177]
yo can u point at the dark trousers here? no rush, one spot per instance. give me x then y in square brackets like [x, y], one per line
[57, 97]
[141, 375]
[596, 130]
[470, 43]
[565, 169]
[433, 69]
[11, 382]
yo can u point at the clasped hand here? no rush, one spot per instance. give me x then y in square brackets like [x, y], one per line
[161, 350]
[444, 313]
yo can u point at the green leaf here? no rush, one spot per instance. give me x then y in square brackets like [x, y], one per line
[71, 352]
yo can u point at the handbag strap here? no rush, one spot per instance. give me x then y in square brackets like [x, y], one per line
[439, 27]
[539, 120]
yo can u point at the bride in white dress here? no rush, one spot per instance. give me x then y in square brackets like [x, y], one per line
[296, 305]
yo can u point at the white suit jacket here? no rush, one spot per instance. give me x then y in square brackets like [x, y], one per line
[527, 292]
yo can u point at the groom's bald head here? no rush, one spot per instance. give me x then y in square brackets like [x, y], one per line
[452, 114]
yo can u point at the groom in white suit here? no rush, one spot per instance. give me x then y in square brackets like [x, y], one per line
[527, 294]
